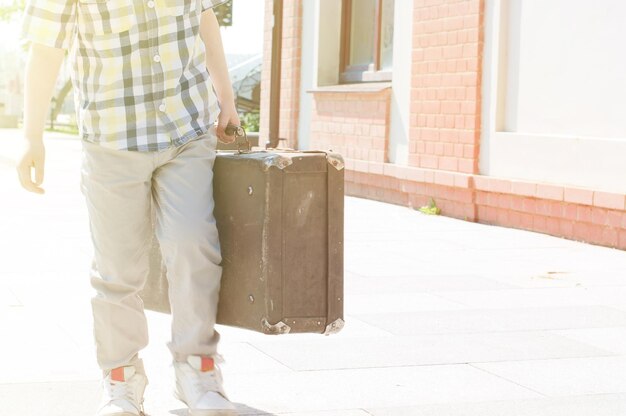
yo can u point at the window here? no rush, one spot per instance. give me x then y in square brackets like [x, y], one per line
[367, 40]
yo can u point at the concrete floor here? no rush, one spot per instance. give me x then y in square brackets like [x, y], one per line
[443, 318]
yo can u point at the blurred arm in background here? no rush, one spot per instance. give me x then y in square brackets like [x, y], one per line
[42, 69]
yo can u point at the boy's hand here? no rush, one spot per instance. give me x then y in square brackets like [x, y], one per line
[32, 156]
[227, 115]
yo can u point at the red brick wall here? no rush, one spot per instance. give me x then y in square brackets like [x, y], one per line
[582, 214]
[290, 72]
[266, 74]
[354, 124]
[445, 92]
[290, 83]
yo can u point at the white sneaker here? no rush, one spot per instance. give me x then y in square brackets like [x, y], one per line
[199, 386]
[122, 391]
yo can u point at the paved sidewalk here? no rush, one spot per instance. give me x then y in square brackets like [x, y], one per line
[443, 318]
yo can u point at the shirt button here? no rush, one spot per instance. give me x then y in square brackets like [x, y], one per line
[162, 107]
[157, 58]
[151, 4]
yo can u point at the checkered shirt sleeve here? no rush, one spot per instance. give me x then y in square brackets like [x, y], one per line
[209, 4]
[49, 22]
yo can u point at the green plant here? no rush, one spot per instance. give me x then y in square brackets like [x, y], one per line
[224, 13]
[431, 208]
[12, 9]
[251, 121]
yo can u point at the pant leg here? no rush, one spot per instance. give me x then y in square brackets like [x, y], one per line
[117, 188]
[187, 234]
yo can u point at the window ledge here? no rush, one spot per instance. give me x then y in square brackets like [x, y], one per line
[359, 87]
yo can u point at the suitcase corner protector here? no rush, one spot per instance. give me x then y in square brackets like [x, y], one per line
[275, 329]
[334, 327]
[336, 160]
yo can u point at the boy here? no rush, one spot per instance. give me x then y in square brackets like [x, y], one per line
[146, 110]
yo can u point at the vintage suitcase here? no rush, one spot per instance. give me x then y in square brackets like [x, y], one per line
[280, 221]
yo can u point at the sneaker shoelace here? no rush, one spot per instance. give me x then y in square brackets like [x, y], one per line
[206, 381]
[121, 391]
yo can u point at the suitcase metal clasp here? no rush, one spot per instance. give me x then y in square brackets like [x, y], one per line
[275, 329]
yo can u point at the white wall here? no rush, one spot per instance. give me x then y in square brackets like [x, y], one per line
[569, 71]
[308, 72]
[401, 83]
[554, 92]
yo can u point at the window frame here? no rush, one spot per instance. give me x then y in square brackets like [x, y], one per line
[360, 73]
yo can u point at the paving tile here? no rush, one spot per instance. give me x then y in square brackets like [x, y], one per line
[381, 264]
[610, 276]
[244, 358]
[398, 302]
[8, 298]
[408, 261]
[243, 410]
[346, 412]
[34, 349]
[585, 265]
[503, 260]
[608, 339]
[566, 376]
[490, 320]
[82, 398]
[356, 284]
[613, 296]
[619, 307]
[596, 405]
[370, 388]
[398, 242]
[49, 399]
[425, 349]
[538, 277]
[538, 297]
[357, 237]
[504, 240]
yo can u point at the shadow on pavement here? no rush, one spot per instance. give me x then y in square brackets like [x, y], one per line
[242, 410]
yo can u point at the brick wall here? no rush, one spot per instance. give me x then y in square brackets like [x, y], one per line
[290, 83]
[582, 214]
[290, 72]
[352, 123]
[266, 73]
[445, 90]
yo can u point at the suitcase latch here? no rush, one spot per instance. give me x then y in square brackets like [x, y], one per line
[277, 328]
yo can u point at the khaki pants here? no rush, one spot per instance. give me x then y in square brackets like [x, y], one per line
[119, 188]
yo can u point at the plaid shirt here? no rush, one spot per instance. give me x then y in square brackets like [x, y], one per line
[138, 67]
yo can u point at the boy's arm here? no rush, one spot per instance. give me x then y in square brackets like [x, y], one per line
[216, 64]
[42, 70]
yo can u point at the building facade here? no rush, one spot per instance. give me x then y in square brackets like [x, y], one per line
[505, 112]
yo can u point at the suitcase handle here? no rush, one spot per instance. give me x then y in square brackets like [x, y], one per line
[238, 132]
